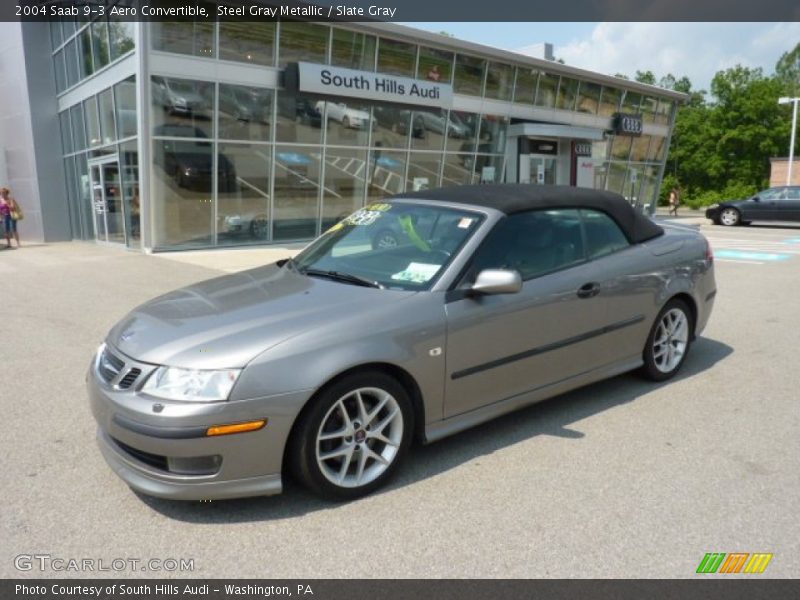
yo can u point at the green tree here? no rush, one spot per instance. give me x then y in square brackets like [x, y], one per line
[788, 71]
[645, 77]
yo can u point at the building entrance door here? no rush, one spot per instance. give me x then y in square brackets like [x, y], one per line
[109, 217]
[543, 169]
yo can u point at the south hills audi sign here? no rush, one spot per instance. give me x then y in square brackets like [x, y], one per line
[335, 81]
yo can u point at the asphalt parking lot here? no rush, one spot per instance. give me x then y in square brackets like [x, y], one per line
[620, 479]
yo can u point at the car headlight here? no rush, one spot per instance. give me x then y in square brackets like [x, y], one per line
[192, 385]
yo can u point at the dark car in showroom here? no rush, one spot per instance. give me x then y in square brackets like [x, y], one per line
[775, 204]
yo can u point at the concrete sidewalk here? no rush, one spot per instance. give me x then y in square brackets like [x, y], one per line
[231, 260]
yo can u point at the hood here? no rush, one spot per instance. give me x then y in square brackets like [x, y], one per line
[228, 321]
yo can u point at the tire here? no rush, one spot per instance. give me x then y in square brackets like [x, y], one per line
[385, 238]
[341, 451]
[730, 217]
[664, 352]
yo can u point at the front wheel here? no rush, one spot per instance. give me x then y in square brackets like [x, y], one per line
[353, 437]
[668, 343]
[729, 217]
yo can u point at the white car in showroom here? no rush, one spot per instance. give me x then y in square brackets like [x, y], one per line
[351, 118]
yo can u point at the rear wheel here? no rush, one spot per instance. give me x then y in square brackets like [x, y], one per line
[353, 437]
[729, 217]
[668, 342]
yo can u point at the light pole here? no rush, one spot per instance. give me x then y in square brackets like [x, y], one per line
[794, 101]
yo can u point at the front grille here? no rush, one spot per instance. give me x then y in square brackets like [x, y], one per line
[154, 460]
[109, 365]
[129, 378]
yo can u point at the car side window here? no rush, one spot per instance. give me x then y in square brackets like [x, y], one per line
[533, 243]
[603, 235]
[793, 194]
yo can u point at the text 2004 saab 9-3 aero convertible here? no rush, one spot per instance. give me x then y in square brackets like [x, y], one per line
[327, 366]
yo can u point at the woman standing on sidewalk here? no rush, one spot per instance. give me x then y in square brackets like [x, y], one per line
[674, 202]
[11, 213]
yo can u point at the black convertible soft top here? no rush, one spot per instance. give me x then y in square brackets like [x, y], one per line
[511, 198]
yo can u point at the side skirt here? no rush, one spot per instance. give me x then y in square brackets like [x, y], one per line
[456, 424]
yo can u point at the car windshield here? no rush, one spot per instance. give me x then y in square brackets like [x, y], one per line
[390, 245]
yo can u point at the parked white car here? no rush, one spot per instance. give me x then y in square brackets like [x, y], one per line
[352, 118]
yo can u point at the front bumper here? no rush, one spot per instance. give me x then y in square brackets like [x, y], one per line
[159, 448]
[713, 213]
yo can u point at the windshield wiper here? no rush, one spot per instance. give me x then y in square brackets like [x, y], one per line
[346, 277]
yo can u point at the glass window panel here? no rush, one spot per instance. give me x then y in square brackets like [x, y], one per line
[588, 98]
[84, 197]
[648, 109]
[392, 125]
[423, 171]
[182, 107]
[92, 122]
[525, 88]
[66, 132]
[386, 174]
[129, 175]
[120, 38]
[353, 50]
[492, 138]
[435, 65]
[108, 129]
[657, 148]
[55, 34]
[184, 37]
[68, 27]
[433, 126]
[488, 168]
[297, 178]
[609, 101]
[71, 61]
[245, 113]
[458, 169]
[78, 131]
[345, 184]
[664, 112]
[298, 120]
[61, 75]
[469, 75]
[243, 192]
[463, 132]
[247, 41]
[546, 91]
[639, 148]
[631, 102]
[182, 193]
[621, 147]
[499, 81]
[85, 64]
[396, 58]
[348, 122]
[567, 94]
[72, 198]
[615, 179]
[125, 98]
[303, 42]
[100, 48]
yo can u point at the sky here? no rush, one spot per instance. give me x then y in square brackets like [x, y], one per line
[697, 50]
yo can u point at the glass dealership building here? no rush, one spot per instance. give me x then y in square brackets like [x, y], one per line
[169, 136]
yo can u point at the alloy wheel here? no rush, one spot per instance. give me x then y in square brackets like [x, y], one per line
[359, 437]
[670, 340]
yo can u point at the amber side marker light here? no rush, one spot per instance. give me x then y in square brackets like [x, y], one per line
[236, 427]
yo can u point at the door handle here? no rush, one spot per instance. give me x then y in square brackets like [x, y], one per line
[589, 290]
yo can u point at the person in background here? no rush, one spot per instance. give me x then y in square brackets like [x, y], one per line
[674, 201]
[434, 74]
[10, 213]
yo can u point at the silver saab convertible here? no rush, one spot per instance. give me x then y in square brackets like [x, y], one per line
[329, 365]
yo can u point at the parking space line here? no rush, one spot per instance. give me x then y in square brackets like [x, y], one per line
[733, 260]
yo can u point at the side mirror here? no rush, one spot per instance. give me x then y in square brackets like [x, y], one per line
[497, 281]
[756, 199]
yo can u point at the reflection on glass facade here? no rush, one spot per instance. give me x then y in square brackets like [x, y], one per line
[234, 163]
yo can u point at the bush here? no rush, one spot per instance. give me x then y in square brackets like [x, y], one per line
[733, 191]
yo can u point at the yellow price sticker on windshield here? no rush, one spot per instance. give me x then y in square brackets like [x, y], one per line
[381, 207]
